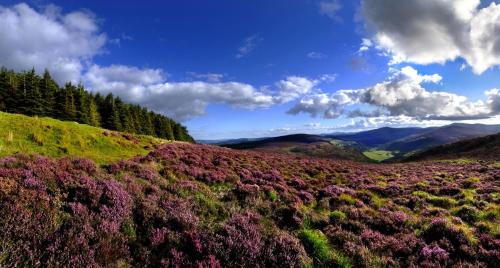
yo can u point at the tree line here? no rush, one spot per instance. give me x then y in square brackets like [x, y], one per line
[31, 94]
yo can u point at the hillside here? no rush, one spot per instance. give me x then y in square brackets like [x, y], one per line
[486, 148]
[303, 145]
[50, 137]
[205, 206]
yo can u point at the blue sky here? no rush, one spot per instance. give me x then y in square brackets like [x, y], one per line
[254, 68]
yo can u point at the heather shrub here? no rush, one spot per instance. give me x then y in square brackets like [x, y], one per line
[204, 206]
[239, 241]
[288, 217]
[284, 250]
[467, 213]
[452, 239]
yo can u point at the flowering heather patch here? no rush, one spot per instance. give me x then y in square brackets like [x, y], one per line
[203, 206]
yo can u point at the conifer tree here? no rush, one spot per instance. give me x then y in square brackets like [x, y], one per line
[31, 94]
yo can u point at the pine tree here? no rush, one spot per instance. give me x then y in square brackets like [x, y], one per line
[13, 95]
[4, 84]
[28, 93]
[94, 117]
[82, 101]
[69, 112]
[110, 115]
[48, 89]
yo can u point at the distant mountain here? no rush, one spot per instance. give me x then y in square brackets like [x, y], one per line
[379, 137]
[295, 138]
[304, 145]
[438, 136]
[487, 148]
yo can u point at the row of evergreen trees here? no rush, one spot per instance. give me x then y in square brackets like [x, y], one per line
[31, 94]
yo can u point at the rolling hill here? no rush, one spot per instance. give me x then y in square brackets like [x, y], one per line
[485, 148]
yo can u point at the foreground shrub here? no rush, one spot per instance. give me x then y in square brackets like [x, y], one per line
[204, 206]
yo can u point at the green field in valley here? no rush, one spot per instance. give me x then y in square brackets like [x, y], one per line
[378, 155]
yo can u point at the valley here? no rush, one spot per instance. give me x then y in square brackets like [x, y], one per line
[378, 145]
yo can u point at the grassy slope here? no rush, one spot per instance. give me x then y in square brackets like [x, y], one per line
[50, 137]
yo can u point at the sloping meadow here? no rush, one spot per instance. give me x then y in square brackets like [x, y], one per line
[204, 206]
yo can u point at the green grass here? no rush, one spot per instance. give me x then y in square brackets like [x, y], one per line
[438, 201]
[337, 216]
[316, 244]
[273, 195]
[50, 137]
[378, 155]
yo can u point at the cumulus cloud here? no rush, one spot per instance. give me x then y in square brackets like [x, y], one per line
[435, 31]
[181, 100]
[249, 44]
[402, 94]
[184, 100]
[293, 87]
[48, 39]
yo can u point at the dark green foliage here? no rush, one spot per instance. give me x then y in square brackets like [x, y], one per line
[31, 94]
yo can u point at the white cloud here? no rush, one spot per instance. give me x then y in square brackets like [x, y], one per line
[316, 55]
[48, 39]
[436, 31]
[330, 8]
[185, 100]
[366, 44]
[402, 94]
[181, 100]
[328, 78]
[293, 87]
[249, 44]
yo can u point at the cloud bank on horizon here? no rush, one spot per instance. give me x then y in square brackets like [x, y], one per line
[416, 32]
